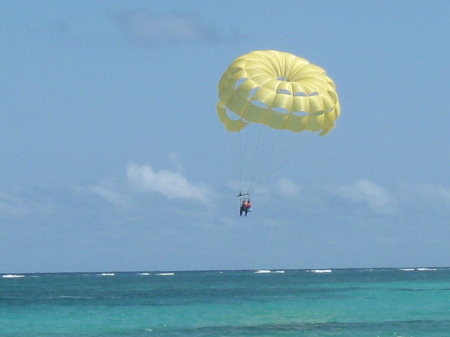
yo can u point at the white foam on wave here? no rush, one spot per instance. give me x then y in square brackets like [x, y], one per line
[279, 271]
[12, 276]
[165, 274]
[426, 269]
[321, 271]
[74, 297]
[106, 274]
[144, 274]
[263, 271]
[407, 269]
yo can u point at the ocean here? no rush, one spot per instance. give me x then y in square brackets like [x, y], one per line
[331, 302]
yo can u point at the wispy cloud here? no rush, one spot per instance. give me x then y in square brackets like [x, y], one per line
[144, 28]
[110, 194]
[365, 191]
[23, 202]
[435, 193]
[426, 197]
[168, 183]
[287, 188]
[56, 30]
[11, 205]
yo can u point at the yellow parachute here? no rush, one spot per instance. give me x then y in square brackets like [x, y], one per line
[278, 90]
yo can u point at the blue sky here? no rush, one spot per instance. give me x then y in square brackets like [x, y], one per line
[112, 157]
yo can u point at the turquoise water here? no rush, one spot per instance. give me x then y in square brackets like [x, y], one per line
[340, 302]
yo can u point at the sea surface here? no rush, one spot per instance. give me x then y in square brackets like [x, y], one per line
[332, 302]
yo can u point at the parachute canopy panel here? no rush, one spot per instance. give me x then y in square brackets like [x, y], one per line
[279, 90]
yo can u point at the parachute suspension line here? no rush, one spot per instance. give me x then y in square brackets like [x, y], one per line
[257, 158]
[251, 156]
[235, 157]
[266, 146]
[266, 156]
[239, 151]
[253, 151]
[240, 162]
[242, 141]
[258, 154]
[288, 152]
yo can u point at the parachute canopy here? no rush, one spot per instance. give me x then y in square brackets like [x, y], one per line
[279, 90]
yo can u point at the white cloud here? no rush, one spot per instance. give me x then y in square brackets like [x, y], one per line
[109, 194]
[168, 183]
[426, 196]
[376, 197]
[287, 187]
[24, 202]
[434, 193]
[143, 27]
[52, 30]
[11, 205]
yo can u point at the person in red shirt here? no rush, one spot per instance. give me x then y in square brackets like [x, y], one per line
[246, 207]
[243, 208]
[249, 205]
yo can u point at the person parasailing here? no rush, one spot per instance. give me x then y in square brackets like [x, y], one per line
[273, 91]
[246, 206]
